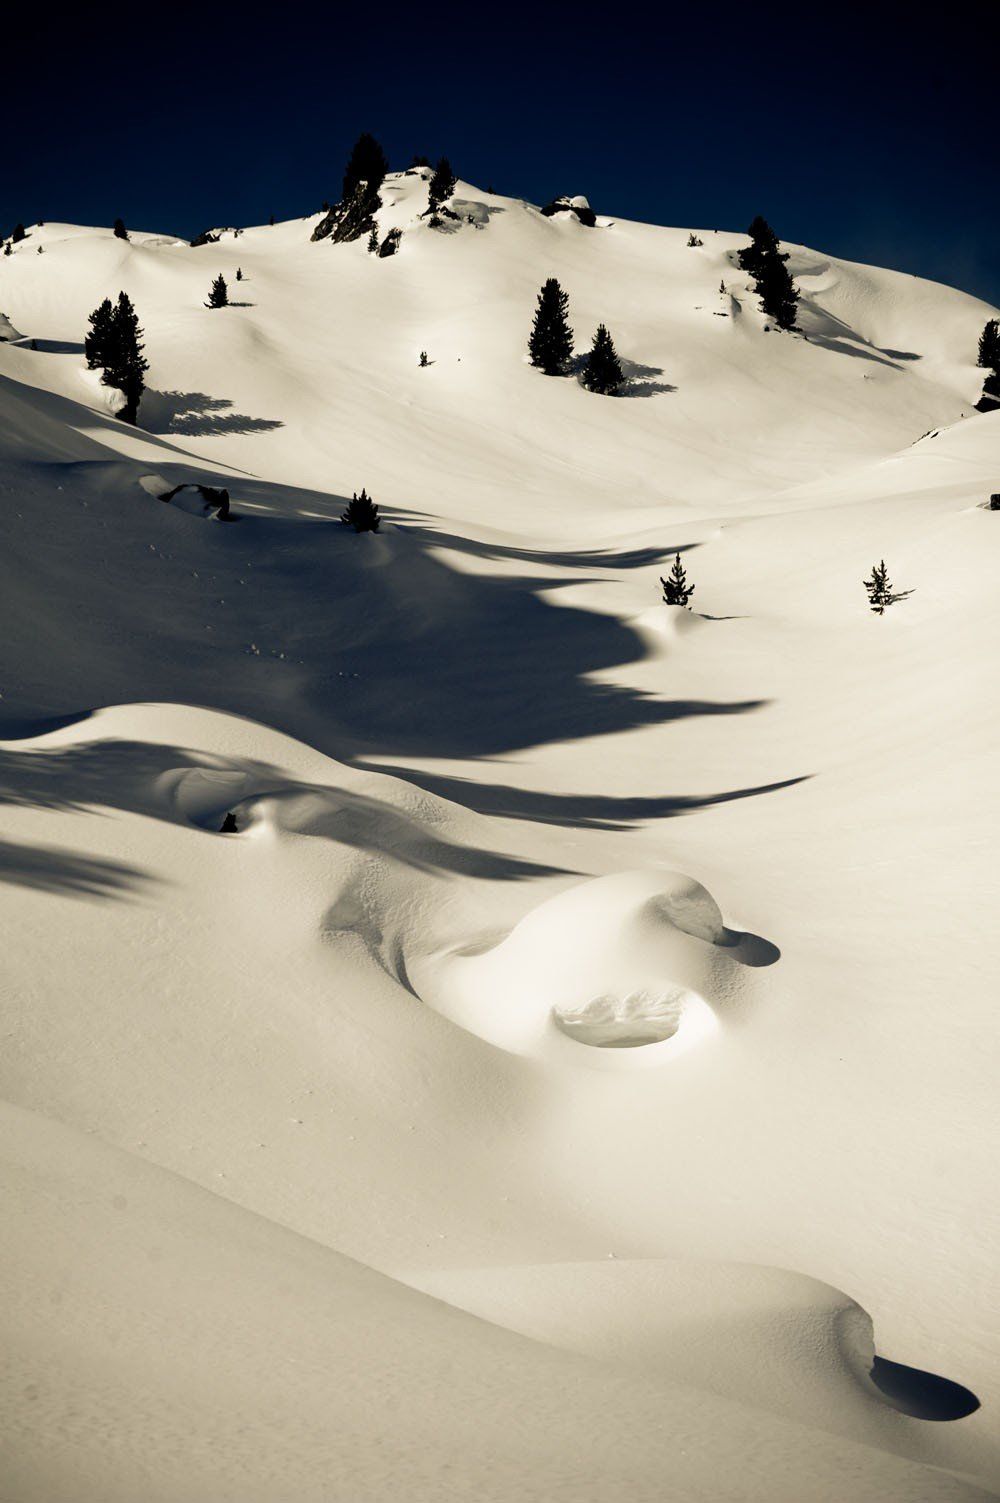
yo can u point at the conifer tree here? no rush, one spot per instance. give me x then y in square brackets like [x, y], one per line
[7, 250]
[121, 233]
[779, 298]
[676, 590]
[373, 240]
[18, 233]
[423, 359]
[361, 513]
[219, 295]
[602, 371]
[124, 364]
[762, 240]
[239, 273]
[989, 346]
[879, 589]
[551, 342]
[442, 184]
[366, 164]
[97, 343]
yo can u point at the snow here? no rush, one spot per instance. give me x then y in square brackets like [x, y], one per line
[581, 1058]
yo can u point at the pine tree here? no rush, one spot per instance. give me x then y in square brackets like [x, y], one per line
[676, 590]
[373, 240]
[17, 233]
[423, 359]
[779, 298]
[762, 240]
[239, 273]
[121, 233]
[879, 589]
[7, 250]
[125, 367]
[602, 371]
[219, 295]
[366, 164]
[551, 343]
[442, 184]
[97, 343]
[694, 240]
[989, 346]
[361, 513]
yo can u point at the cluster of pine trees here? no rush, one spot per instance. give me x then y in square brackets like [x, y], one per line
[765, 261]
[114, 346]
[550, 344]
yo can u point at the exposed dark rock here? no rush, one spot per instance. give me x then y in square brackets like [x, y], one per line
[214, 500]
[350, 220]
[390, 245]
[578, 206]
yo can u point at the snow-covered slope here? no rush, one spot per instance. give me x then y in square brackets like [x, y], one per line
[494, 807]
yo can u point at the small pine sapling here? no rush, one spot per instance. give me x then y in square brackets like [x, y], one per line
[694, 239]
[219, 295]
[423, 358]
[676, 590]
[239, 273]
[373, 241]
[121, 233]
[361, 513]
[879, 589]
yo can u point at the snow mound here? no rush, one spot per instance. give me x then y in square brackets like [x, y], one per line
[7, 331]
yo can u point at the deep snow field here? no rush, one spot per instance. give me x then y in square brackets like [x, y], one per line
[580, 1062]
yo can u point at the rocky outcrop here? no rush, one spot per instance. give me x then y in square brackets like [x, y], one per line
[577, 205]
[351, 219]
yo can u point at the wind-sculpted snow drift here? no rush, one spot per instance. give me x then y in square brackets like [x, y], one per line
[471, 1030]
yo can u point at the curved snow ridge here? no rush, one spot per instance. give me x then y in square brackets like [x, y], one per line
[640, 964]
[772, 1338]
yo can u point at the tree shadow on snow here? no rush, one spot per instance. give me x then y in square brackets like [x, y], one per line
[67, 874]
[191, 788]
[54, 346]
[195, 413]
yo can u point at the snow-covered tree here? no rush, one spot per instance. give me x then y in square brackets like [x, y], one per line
[879, 589]
[361, 513]
[442, 184]
[551, 342]
[676, 590]
[219, 295]
[121, 233]
[602, 371]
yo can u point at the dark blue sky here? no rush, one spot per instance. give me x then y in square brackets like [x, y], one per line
[866, 131]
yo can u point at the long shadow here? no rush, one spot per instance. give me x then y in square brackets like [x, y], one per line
[181, 786]
[923, 1395]
[66, 874]
[577, 810]
[54, 346]
[194, 413]
[370, 645]
[560, 558]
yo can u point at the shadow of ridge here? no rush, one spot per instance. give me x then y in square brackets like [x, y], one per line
[581, 811]
[192, 413]
[67, 874]
[53, 346]
[559, 558]
[140, 777]
[920, 1394]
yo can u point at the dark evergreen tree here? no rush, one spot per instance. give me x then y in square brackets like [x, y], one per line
[989, 346]
[7, 249]
[97, 343]
[361, 513]
[442, 184]
[366, 164]
[121, 233]
[271, 220]
[602, 371]
[18, 233]
[762, 240]
[419, 161]
[373, 240]
[239, 273]
[551, 342]
[423, 359]
[219, 295]
[676, 590]
[694, 239]
[879, 589]
[125, 367]
[779, 298]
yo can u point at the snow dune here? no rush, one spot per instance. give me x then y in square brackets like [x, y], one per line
[471, 1030]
